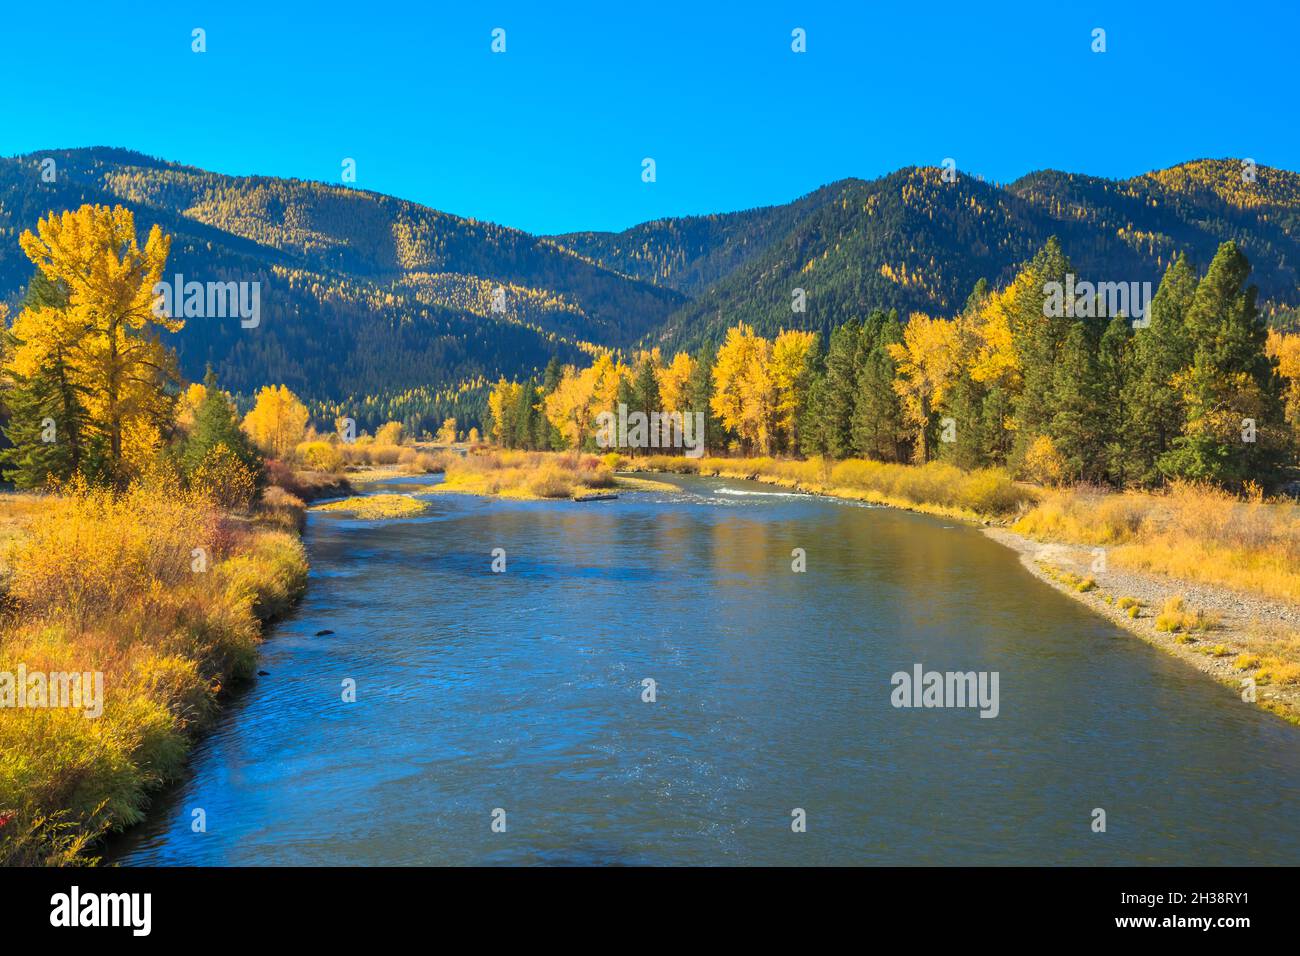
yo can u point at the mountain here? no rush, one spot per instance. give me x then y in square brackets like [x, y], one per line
[913, 242]
[360, 293]
[385, 308]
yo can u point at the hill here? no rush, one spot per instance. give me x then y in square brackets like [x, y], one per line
[382, 305]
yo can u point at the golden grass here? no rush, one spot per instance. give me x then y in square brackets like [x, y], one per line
[526, 475]
[160, 592]
[372, 507]
[1193, 532]
[1175, 618]
[396, 459]
[935, 488]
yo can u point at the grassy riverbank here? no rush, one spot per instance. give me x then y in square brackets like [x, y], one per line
[935, 488]
[164, 594]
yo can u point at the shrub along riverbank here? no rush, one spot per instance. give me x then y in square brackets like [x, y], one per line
[161, 592]
[936, 488]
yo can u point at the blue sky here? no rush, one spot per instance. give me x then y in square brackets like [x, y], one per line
[550, 135]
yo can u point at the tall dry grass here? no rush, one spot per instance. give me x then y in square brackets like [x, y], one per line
[935, 487]
[1192, 531]
[527, 474]
[161, 592]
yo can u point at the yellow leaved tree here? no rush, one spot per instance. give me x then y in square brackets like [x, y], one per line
[744, 398]
[106, 327]
[792, 352]
[926, 364]
[674, 382]
[277, 422]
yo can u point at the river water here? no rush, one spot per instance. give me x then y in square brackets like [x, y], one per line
[522, 692]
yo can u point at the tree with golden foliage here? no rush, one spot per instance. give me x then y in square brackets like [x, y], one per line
[277, 422]
[389, 434]
[102, 324]
[568, 407]
[502, 401]
[447, 433]
[744, 397]
[1286, 349]
[675, 382]
[926, 363]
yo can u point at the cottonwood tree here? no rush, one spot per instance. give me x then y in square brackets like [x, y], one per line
[101, 330]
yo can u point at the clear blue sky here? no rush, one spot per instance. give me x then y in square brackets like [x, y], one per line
[550, 136]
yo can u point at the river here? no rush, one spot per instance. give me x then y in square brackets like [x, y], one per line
[523, 692]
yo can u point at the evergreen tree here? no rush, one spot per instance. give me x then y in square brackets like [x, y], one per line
[1235, 430]
[644, 394]
[1038, 339]
[216, 422]
[1154, 405]
[840, 389]
[878, 430]
[525, 417]
[1076, 424]
[551, 377]
[49, 425]
[1114, 367]
[700, 391]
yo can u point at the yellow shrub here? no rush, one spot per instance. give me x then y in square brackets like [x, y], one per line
[1043, 463]
[320, 456]
[225, 480]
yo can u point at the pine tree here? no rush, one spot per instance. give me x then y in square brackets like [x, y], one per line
[1235, 430]
[1154, 405]
[525, 417]
[878, 430]
[1038, 339]
[839, 390]
[1114, 368]
[1076, 423]
[49, 425]
[216, 423]
[699, 389]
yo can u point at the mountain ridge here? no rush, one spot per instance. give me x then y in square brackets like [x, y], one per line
[368, 294]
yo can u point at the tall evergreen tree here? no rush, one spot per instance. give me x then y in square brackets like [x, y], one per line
[525, 416]
[1154, 405]
[1235, 430]
[216, 422]
[1038, 338]
[1076, 426]
[878, 430]
[700, 398]
[48, 425]
[840, 390]
[1114, 368]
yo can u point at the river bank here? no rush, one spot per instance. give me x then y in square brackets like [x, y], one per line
[155, 600]
[1248, 637]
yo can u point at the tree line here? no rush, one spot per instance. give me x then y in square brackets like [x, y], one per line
[1195, 388]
